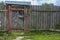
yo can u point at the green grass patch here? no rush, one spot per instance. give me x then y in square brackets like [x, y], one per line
[31, 35]
[46, 37]
[11, 36]
[43, 37]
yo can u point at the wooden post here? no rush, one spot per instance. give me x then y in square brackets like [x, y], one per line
[26, 20]
[9, 11]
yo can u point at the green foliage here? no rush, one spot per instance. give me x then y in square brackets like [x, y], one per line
[1, 34]
[57, 26]
[36, 29]
[2, 3]
[46, 4]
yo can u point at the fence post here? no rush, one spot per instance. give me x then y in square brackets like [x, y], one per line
[26, 20]
[9, 11]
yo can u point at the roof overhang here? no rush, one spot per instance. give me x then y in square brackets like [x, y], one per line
[17, 3]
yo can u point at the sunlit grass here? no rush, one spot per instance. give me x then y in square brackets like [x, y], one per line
[32, 36]
[11, 36]
[43, 37]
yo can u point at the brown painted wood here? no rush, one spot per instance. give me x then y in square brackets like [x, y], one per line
[9, 31]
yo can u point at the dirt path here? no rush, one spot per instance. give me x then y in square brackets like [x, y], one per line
[19, 38]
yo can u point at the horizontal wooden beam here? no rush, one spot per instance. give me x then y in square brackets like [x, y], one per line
[14, 9]
[3, 10]
[17, 6]
[45, 10]
[52, 30]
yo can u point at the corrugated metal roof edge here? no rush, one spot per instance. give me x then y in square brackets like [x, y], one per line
[18, 2]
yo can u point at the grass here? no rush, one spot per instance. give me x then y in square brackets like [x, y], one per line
[43, 37]
[11, 36]
[33, 36]
[46, 37]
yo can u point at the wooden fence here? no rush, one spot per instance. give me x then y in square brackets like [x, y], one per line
[39, 18]
[44, 18]
[3, 18]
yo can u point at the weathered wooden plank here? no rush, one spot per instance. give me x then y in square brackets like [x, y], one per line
[3, 10]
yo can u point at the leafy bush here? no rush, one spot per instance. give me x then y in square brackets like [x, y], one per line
[1, 34]
[57, 26]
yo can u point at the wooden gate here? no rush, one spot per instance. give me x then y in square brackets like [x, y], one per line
[17, 18]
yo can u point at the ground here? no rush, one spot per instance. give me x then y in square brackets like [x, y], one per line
[43, 37]
[31, 36]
